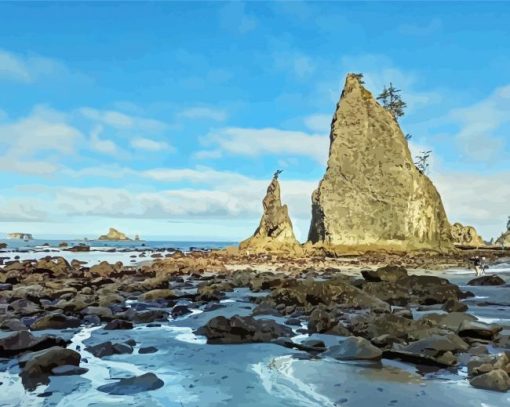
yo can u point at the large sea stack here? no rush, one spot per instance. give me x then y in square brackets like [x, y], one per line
[275, 231]
[372, 195]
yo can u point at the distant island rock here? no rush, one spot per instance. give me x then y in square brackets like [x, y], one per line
[372, 196]
[114, 234]
[466, 236]
[20, 236]
[275, 231]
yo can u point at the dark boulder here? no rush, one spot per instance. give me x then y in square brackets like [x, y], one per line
[390, 273]
[354, 348]
[496, 380]
[37, 366]
[133, 385]
[486, 280]
[55, 321]
[118, 324]
[24, 341]
[221, 330]
[109, 348]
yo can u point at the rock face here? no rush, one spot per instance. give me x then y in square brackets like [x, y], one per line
[372, 196]
[113, 234]
[275, 229]
[466, 235]
[504, 239]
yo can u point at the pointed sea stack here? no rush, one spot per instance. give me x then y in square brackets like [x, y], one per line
[372, 196]
[275, 231]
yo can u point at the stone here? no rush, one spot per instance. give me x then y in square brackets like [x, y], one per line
[158, 294]
[436, 349]
[68, 370]
[55, 321]
[221, 330]
[105, 269]
[113, 234]
[496, 380]
[147, 349]
[479, 330]
[104, 313]
[466, 236]
[372, 195]
[320, 321]
[57, 266]
[275, 232]
[354, 348]
[504, 239]
[389, 273]
[37, 366]
[24, 341]
[486, 280]
[118, 324]
[109, 348]
[13, 324]
[133, 385]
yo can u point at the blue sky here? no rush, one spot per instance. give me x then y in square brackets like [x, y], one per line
[168, 119]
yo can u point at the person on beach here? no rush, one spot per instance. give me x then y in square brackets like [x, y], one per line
[477, 265]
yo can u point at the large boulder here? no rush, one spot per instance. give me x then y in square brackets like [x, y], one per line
[55, 321]
[372, 196]
[436, 350]
[133, 385]
[24, 341]
[221, 330]
[354, 348]
[486, 280]
[496, 380]
[37, 366]
[275, 231]
[335, 292]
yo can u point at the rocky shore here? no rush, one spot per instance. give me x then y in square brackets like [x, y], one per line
[377, 312]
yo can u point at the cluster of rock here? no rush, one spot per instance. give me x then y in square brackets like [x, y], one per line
[466, 236]
[372, 196]
[113, 234]
[504, 239]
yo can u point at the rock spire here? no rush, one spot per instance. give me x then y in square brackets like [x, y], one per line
[372, 196]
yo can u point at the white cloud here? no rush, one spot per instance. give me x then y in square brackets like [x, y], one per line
[102, 145]
[201, 112]
[21, 210]
[319, 123]
[256, 142]
[482, 126]
[43, 131]
[146, 144]
[27, 68]
[207, 154]
[480, 200]
[121, 121]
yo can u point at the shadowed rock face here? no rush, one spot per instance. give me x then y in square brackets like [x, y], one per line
[466, 235]
[275, 228]
[372, 195]
[504, 239]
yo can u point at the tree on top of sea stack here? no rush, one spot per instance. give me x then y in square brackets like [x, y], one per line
[275, 232]
[372, 196]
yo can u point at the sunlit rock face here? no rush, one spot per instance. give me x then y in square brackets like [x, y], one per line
[275, 229]
[113, 234]
[372, 195]
[466, 235]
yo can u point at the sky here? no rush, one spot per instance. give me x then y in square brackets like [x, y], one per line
[168, 119]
